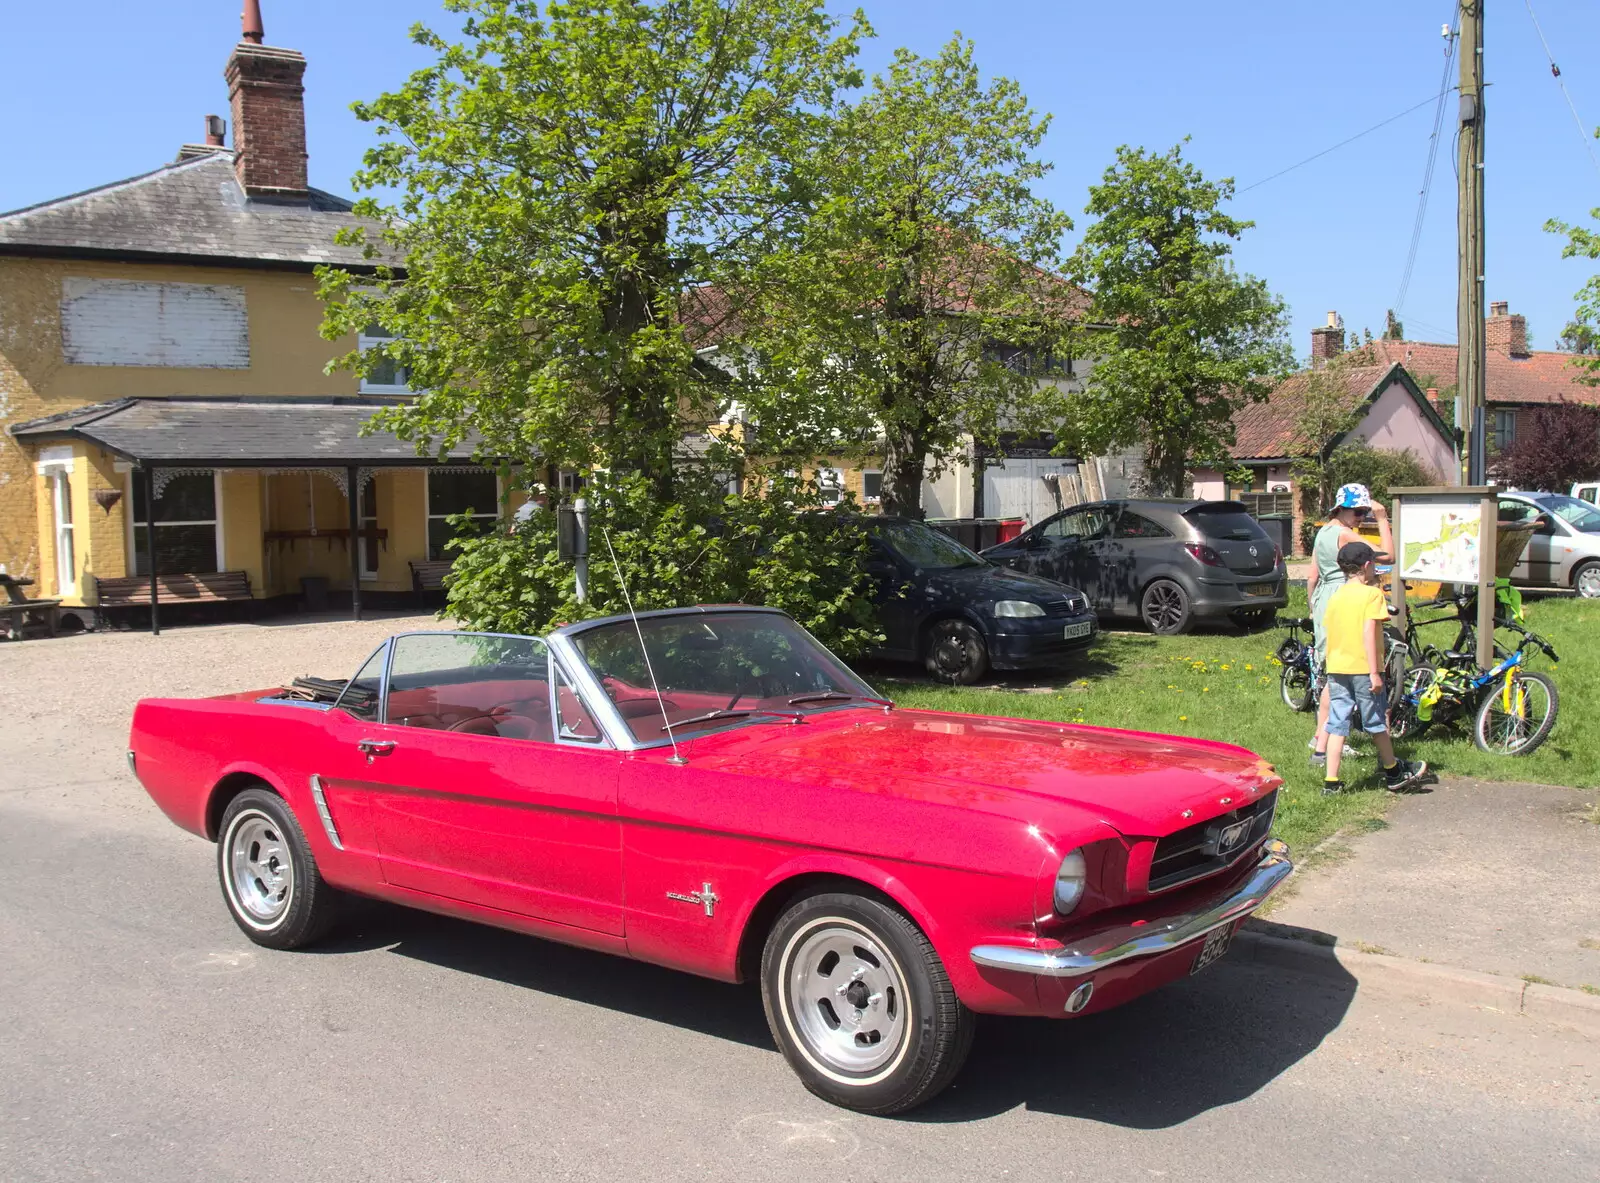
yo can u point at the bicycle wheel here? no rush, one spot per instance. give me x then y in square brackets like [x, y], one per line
[1515, 719]
[1403, 720]
[1295, 686]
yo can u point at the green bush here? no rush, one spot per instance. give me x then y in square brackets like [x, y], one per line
[780, 547]
[1359, 462]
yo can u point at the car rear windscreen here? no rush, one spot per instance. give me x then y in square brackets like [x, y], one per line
[1225, 519]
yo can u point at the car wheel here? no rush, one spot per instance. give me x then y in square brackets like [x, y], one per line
[1165, 608]
[271, 883]
[860, 1004]
[956, 653]
[1586, 579]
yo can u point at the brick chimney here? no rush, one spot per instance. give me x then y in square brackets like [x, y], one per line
[1327, 342]
[269, 114]
[1504, 331]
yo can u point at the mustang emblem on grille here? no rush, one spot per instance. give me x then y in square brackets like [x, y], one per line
[1233, 837]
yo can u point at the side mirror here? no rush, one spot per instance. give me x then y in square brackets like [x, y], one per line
[880, 567]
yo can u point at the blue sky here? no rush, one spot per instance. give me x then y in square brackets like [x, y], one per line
[96, 90]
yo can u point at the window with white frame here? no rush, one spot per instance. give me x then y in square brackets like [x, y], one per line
[872, 486]
[59, 477]
[187, 537]
[830, 485]
[1504, 430]
[385, 375]
[456, 491]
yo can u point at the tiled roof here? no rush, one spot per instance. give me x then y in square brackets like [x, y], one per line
[1542, 376]
[190, 209]
[228, 432]
[1271, 430]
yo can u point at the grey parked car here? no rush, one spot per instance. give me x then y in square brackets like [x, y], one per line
[1167, 561]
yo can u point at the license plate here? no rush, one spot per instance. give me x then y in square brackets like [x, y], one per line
[1260, 589]
[1078, 630]
[1215, 945]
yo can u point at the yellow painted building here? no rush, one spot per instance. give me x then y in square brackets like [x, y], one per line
[159, 335]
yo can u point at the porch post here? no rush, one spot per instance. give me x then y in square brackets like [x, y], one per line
[352, 475]
[150, 547]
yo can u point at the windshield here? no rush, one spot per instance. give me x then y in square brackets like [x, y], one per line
[925, 548]
[1580, 515]
[715, 669]
[1226, 519]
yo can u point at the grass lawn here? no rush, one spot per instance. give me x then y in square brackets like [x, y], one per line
[1223, 685]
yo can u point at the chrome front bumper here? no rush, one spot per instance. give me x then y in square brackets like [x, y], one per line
[1088, 954]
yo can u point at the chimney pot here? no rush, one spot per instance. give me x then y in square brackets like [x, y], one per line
[216, 128]
[254, 30]
[1499, 307]
[1433, 394]
[1505, 331]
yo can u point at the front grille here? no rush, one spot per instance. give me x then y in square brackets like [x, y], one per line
[1071, 606]
[1195, 851]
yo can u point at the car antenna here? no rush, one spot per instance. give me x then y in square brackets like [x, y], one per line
[622, 582]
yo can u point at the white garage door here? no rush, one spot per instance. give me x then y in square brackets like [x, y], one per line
[1017, 489]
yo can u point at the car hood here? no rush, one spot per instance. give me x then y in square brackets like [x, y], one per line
[1137, 782]
[1001, 583]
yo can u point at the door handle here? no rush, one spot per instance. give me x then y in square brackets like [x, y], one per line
[375, 747]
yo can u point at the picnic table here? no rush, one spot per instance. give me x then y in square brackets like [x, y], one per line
[17, 610]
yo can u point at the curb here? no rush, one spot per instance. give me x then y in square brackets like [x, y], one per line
[1550, 1004]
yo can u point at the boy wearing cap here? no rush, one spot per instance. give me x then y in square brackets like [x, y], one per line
[1353, 622]
[1350, 505]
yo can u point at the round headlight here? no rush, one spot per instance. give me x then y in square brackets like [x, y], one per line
[1069, 882]
[1017, 608]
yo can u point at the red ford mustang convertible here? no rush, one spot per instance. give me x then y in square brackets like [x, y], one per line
[884, 873]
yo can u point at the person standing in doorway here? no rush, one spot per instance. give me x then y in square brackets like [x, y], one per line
[1351, 505]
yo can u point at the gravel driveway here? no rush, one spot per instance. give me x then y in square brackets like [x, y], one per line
[65, 703]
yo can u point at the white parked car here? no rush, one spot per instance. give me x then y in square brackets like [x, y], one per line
[1565, 548]
[1589, 492]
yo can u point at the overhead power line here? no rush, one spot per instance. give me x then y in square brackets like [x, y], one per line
[1555, 72]
[1336, 147]
[1427, 171]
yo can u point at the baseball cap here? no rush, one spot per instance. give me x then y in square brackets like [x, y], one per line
[1355, 555]
[1352, 496]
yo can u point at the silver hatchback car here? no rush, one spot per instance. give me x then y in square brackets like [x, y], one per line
[1565, 548]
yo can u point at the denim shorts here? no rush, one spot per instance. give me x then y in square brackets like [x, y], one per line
[1351, 697]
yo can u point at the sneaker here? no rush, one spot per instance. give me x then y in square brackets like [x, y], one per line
[1332, 788]
[1403, 774]
[1319, 759]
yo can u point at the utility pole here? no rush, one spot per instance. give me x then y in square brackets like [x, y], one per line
[1471, 378]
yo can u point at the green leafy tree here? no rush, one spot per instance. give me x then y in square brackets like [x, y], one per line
[1579, 338]
[1186, 340]
[918, 305]
[562, 177]
[1583, 331]
[1328, 410]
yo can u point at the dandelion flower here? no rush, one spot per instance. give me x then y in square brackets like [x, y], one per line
[1183, 718]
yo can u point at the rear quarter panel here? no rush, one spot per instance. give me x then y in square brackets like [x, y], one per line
[184, 749]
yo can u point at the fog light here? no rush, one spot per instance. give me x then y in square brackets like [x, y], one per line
[1079, 998]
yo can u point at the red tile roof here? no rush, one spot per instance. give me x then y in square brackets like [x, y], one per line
[1271, 430]
[1542, 376]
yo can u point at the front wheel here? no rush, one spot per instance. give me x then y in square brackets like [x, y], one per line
[1404, 721]
[860, 1004]
[269, 879]
[956, 653]
[1515, 717]
[1295, 686]
[1165, 608]
[1586, 579]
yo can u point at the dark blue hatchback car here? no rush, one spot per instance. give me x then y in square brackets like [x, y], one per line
[959, 615]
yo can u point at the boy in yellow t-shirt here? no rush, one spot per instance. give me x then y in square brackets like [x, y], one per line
[1353, 623]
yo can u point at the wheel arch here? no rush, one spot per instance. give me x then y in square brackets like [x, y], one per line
[800, 883]
[233, 782]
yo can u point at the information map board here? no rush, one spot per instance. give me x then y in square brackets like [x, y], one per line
[1442, 539]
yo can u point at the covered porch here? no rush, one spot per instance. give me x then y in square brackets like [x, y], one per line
[256, 500]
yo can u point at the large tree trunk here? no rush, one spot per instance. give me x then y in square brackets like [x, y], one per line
[1166, 469]
[904, 460]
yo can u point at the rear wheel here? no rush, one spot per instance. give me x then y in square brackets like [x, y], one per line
[1404, 722]
[1165, 608]
[956, 653]
[1516, 717]
[860, 1004]
[1586, 579]
[1295, 686]
[269, 880]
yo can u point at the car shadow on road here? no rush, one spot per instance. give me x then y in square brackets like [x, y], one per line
[1199, 1044]
[1157, 1062]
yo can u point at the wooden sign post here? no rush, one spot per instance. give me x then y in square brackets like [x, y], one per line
[1447, 533]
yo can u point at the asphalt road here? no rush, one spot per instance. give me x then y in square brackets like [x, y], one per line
[143, 1038]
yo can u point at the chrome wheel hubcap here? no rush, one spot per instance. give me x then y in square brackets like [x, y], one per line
[847, 998]
[260, 869]
[1163, 607]
[1589, 583]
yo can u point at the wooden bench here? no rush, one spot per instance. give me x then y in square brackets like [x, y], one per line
[18, 609]
[211, 587]
[429, 575]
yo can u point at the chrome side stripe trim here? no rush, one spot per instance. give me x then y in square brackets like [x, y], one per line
[322, 812]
